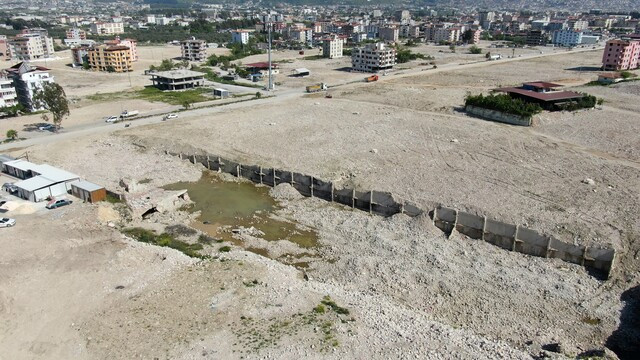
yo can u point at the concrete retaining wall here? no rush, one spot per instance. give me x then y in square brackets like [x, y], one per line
[498, 116]
[507, 236]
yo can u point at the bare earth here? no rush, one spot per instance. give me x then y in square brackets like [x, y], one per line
[410, 291]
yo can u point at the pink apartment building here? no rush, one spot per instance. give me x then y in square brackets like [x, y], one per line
[621, 55]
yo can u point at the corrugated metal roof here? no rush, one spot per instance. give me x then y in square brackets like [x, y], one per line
[88, 186]
[543, 96]
[54, 173]
[35, 183]
[23, 165]
[5, 158]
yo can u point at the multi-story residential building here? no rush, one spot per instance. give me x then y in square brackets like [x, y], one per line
[194, 50]
[27, 80]
[389, 33]
[567, 38]
[332, 47]
[404, 16]
[486, 18]
[80, 54]
[377, 13]
[621, 55]
[5, 53]
[31, 46]
[536, 38]
[107, 28]
[410, 31]
[151, 19]
[132, 44]
[8, 95]
[577, 25]
[110, 58]
[450, 34]
[557, 25]
[240, 37]
[76, 33]
[373, 58]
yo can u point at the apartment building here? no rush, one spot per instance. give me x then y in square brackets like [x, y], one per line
[332, 47]
[132, 44]
[240, 37]
[536, 38]
[373, 58]
[446, 34]
[567, 38]
[76, 33]
[8, 95]
[621, 55]
[389, 33]
[107, 28]
[28, 79]
[5, 53]
[194, 50]
[110, 58]
[31, 46]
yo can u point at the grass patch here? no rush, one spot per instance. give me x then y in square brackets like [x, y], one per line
[225, 249]
[173, 97]
[206, 239]
[320, 309]
[335, 307]
[144, 181]
[591, 321]
[113, 199]
[164, 240]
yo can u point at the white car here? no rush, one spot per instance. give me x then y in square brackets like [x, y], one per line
[6, 222]
[46, 127]
[112, 119]
[170, 116]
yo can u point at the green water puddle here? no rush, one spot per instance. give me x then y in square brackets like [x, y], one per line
[226, 205]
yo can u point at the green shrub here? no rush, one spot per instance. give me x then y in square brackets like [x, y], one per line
[225, 249]
[503, 103]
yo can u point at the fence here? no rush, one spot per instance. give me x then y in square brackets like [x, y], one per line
[507, 236]
[498, 116]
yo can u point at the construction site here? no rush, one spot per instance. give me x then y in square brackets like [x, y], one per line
[364, 219]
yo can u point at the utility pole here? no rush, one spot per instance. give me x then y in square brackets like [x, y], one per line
[270, 86]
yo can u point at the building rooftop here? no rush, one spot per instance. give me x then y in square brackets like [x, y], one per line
[86, 185]
[54, 173]
[23, 165]
[542, 96]
[35, 183]
[261, 65]
[542, 84]
[177, 74]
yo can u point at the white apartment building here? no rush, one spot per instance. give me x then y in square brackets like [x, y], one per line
[240, 37]
[151, 19]
[567, 38]
[27, 80]
[8, 95]
[194, 50]
[107, 28]
[31, 47]
[373, 58]
[332, 48]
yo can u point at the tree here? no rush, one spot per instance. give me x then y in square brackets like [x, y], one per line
[258, 95]
[52, 97]
[186, 103]
[12, 134]
[475, 50]
[452, 47]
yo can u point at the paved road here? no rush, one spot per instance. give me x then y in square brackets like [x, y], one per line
[278, 96]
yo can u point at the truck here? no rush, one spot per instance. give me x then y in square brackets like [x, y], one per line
[317, 87]
[495, 57]
[127, 113]
[371, 78]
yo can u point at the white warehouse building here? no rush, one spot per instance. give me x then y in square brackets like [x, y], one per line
[40, 181]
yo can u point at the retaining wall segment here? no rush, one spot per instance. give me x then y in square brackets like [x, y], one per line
[507, 236]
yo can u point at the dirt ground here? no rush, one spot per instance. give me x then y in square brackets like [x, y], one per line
[411, 292]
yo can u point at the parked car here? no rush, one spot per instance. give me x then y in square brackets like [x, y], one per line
[112, 119]
[47, 127]
[7, 222]
[59, 203]
[10, 188]
[170, 116]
